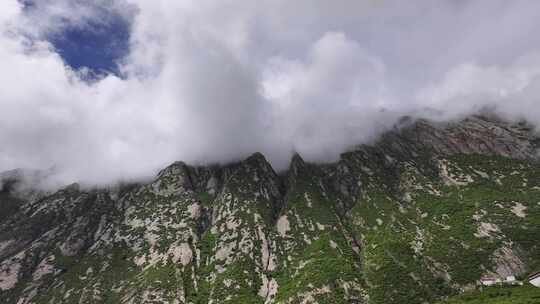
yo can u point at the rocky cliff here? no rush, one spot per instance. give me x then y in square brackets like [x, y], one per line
[421, 214]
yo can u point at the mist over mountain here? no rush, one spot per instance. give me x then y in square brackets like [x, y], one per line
[428, 212]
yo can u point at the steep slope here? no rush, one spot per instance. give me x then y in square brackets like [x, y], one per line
[421, 214]
[317, 260]
[441, 211]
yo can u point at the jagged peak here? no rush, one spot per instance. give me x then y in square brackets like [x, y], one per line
[410, 135]
[256, 157]
[297, 160]
[258, 162]
[297, 163]
[177, 173]
[178, 167]
[72, 188]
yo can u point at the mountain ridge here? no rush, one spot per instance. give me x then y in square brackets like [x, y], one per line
[361, 230]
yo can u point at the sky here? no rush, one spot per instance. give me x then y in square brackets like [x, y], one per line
[111, 90]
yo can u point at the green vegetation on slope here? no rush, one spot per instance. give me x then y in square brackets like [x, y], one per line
[526, 294]
[435, 236]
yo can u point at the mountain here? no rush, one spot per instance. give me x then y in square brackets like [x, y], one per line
[422, 214]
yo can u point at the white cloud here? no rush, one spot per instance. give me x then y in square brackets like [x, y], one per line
[323, 101]
[213, 81]
[511, 90]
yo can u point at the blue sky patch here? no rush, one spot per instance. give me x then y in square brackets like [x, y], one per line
[98, 45]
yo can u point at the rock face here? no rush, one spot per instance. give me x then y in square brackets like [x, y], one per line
[423, 213]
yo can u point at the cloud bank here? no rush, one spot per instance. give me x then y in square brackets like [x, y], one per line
[214, 81]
